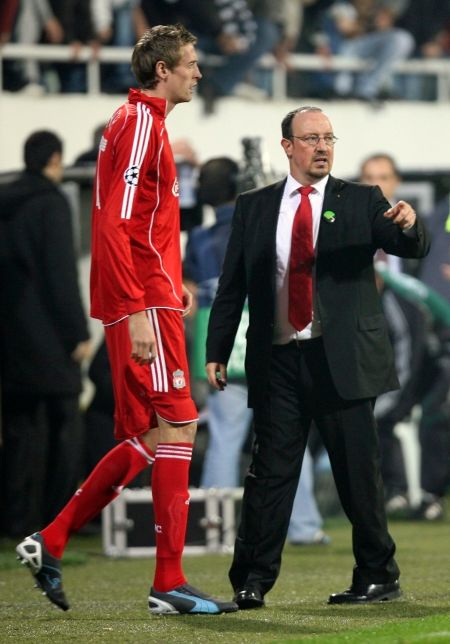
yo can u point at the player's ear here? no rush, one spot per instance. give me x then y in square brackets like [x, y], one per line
[161, 70]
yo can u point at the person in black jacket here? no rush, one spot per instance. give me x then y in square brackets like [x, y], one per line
[317, 350]
[43, 339]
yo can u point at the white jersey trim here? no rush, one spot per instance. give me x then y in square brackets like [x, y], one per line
[140, 144]
[178, 422]
[149, 308]
[151, 226]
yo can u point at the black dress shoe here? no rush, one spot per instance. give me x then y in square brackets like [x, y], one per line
[367, 594]
[248, 598]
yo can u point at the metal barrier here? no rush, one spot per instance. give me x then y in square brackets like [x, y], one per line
[439, 68]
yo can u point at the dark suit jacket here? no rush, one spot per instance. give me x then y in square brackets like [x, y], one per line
[353, 326]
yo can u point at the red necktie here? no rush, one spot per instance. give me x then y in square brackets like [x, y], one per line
[301, 263]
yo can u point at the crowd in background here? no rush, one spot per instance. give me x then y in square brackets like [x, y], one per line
[381, 32]
[40, 410]
[240, 32]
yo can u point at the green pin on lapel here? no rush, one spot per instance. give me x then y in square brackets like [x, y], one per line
[329, 216]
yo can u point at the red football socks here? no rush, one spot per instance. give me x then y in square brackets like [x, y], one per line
[170, 478]
[111, 474]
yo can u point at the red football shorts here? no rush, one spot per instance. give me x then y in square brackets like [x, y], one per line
[143, 392]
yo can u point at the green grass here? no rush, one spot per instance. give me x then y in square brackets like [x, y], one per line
[108, 597]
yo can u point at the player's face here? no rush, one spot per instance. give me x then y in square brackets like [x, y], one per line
[184, 77]
[309, 163]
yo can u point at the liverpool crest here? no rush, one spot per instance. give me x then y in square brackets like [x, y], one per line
[179, 380]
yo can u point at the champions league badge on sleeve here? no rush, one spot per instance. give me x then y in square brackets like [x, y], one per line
[179, 380]
[131, 175]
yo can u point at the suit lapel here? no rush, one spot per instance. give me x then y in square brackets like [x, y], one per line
[266, 221]
[333, 196]
[265, 214]
[333, 206]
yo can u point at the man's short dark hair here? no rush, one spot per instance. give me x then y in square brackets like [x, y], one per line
[38, 149]
[160, 43]
[286, 123]
[217, 182]
[382, 156]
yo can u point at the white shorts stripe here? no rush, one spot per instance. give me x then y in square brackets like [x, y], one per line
[161, 356]
[158, 367]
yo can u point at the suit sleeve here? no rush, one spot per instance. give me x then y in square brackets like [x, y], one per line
[231, 293]
[390, 237]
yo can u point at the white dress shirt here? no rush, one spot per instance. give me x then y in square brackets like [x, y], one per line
[284, 331]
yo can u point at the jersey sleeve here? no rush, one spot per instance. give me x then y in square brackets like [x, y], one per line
[124, 150]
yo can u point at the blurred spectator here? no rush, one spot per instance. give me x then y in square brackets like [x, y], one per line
[8, 10]
[407, 327]
[89, 158]
[429, 23]
[43, 340]
[187, 165]
[225, 28]
[99, 416]
[305, 526]
[366, 29]
[228, 415]
[434, 429]
[35, 20]
[432, 394]
[75, 17]
[114, 24]
[315, 28]
[278, 30]
[380, 169]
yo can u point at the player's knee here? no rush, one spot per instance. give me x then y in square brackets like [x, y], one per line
[177, 433]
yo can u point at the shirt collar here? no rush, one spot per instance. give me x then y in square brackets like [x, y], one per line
[158, 105]
[292, 185]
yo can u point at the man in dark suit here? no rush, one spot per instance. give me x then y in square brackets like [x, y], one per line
[44, 339]
[317, 349]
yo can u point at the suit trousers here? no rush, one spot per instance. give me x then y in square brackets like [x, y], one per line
[301, 390]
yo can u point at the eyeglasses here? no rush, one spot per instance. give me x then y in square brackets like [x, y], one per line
[313, 139]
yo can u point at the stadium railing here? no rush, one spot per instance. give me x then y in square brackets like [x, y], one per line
[437, 68]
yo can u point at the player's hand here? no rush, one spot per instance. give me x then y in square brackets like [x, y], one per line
[217, 375]
[188, 301]
[402, 214]
[82, 351]
[142, 336]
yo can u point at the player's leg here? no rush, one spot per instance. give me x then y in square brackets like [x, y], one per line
[177, 420]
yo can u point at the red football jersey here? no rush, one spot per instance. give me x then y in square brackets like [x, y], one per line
[136, 256]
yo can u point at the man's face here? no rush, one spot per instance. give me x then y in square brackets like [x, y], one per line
[184, 77]
[379, 172]
[309, 163]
